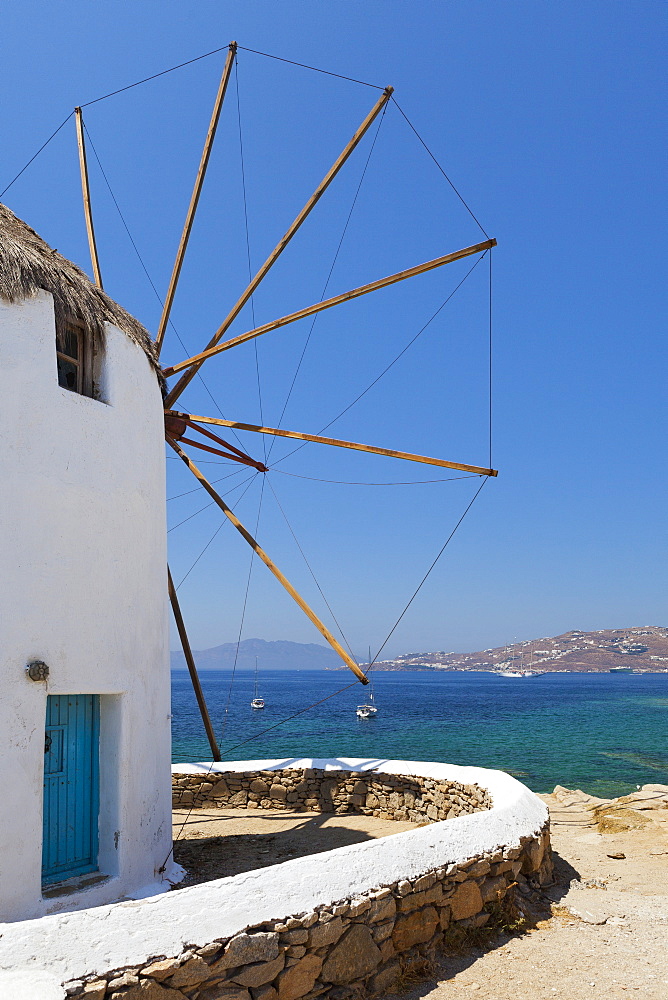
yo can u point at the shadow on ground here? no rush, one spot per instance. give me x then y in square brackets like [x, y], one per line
[563, 875]
[207, 858]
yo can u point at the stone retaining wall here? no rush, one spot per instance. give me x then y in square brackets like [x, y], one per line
[388, 796]
[349, 923]
[358, 947]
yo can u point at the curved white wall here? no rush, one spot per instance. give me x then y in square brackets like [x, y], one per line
[130, 933]
[83, 587]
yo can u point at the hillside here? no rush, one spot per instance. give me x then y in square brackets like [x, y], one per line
[644, 648]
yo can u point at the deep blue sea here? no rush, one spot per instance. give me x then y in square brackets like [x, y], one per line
[604, 733]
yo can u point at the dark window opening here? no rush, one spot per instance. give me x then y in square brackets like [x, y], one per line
[74, 353]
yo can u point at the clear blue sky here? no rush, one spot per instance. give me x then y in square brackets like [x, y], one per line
[550, 118]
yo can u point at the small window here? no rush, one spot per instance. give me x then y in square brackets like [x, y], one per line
[74, 353]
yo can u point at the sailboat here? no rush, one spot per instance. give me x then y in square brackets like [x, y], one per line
[523, 671]
[257, 702]
[369, 710]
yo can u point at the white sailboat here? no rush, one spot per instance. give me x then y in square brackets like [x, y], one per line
[369, 710]
[257, 702]
[523, 671]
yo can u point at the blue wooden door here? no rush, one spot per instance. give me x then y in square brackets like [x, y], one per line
[71, 795]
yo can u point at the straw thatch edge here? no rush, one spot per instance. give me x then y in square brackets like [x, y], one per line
[28, 264]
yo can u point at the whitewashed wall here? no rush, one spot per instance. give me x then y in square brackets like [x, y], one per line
[82, 587]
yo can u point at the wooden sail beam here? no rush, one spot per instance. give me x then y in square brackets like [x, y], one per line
[195, 362]
[194, 199]
[338, 443]
[85, 191]
[176, 426]
[176, 391]
[259, 551]
[194, 677]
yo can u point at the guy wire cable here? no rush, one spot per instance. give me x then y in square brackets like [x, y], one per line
[334, 694]
[248, 255]
[222, 523]
[146, 272]
[243, 617]
[391, 364]
[328, 279]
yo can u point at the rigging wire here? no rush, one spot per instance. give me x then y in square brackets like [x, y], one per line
[243, 743]
[295, 715]
[315, 69]
[206, 506]
[248, 254]
[187, 493]
[223, 522]
[122, 217]
[334, 694]
[387, 638]
[490, 360]
[202, 461]
[390, 633]
[214, 52]
[43, 146]
[344, 482]
[315, 579]
[391, 364]
[410, 123]
[155, 76]
[329, 276]
[190, 517]
[218, 529]
[243, 616]
[150, 280]
[424, 578]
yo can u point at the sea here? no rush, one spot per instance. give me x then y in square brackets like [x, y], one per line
[604, 733]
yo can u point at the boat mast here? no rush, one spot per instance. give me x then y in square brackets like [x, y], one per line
[370, 678]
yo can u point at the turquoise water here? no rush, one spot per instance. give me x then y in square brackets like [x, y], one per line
[604, 733]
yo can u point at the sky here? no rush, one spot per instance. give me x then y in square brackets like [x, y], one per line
[549, 119]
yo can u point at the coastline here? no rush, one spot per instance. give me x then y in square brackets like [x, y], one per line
[430, 669]
[599, 732]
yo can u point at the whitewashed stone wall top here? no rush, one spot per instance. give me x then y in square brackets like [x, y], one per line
[132, 932]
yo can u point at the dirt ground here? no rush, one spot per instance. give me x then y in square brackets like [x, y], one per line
[602, 927]
[607, 936]
[263, 837]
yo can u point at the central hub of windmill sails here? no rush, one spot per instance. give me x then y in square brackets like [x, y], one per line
[176, 425]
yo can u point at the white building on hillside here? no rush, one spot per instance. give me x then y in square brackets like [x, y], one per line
[84, 663]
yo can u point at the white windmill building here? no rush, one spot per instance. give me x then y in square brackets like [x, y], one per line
[84, 662]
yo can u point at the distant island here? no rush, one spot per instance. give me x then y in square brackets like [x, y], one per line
[623, 649]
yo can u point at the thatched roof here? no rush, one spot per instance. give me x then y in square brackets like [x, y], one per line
[28, 263]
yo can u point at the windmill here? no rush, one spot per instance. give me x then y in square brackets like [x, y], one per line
[86, 645]
[184, 428]
[178, 424]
